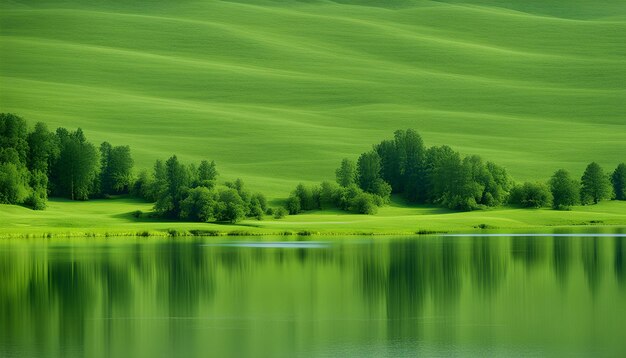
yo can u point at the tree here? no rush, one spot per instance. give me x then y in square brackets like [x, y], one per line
[390, 164]
[306, 197]
[411, 151]
[497, 186]
[565, 190]
[13, 183]
[77, 167]
[279, 213]
[115, 169]
[39, 190]
[14, 134]
[436, 181]
[199, 205]
[230, 208]
[368, 171]
[346, 173]
[595, 185]
[43, 149]
[618, 179]
[173, 188]
[293, 205]
[531, 195]
[207, 174]
[364, 203]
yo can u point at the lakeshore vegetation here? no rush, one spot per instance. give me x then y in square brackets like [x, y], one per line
[37, 163]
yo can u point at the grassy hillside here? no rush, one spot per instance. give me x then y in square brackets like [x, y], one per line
[278, 91]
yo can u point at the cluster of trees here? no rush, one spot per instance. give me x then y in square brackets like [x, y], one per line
[563, 191]
[37, 163]
[403, 165]
[189, 192]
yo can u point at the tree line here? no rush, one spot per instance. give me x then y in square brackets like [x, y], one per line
[37, 163]
[189, 192]
[441, 176]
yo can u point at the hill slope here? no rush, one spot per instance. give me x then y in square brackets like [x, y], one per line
[279, 91]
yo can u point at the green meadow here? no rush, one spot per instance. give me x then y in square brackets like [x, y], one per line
[278, 92]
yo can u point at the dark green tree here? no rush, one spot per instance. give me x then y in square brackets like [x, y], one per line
[293, 205]
[199, 205]
[368, 171]
[231, 207]
[595, 185]
[14, 187]
[531, 195]
[411, 152]
[346, 173]
[565, 190]
[364, 203]
[43, 149]
[14, 134]
[76, 169]
[38, 197]
[207, 174]
[175, 188]
[436, 181]
[618, 179]
[390, 164]
[306, 197]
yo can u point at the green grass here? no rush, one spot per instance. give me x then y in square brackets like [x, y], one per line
[277, 92]
[114, 218]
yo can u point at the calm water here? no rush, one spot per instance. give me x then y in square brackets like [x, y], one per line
[435, 296]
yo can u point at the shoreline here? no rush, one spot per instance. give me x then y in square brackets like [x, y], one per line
[538, 231]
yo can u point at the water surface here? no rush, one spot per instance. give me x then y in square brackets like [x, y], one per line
[555, 295]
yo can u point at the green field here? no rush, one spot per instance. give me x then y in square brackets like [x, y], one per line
[277, 92]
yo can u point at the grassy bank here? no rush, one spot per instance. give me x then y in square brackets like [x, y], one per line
[115, 218]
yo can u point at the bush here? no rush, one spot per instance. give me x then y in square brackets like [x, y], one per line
[364, 203]
[137, 214]
[293, 205]
[280, 213]
[531, 195]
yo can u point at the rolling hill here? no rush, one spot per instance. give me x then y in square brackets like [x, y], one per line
[277, 92]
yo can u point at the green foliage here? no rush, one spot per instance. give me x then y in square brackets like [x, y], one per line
[199, 205]
[293, 205]
[77, 167]
[207, 173]
[595, 185]
[279, 213]
[231, 207]
[39, 194]
[43, 148]
[368, 171]
[618, 179]
[172, 191]
[13, 183]
[364, 203]
[346, 173]
[411, 154]
[531, 195]
[14, 134]
[116, 165]
[306, 197]
[565, 190]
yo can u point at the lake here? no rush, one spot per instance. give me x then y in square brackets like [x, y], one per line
[550, 295]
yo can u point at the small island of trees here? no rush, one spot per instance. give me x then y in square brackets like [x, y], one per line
[37, 163]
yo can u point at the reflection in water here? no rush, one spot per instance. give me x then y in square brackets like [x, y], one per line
[619, 264]
[561, 254]
[435, 295]
[591, 262]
